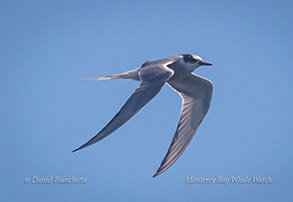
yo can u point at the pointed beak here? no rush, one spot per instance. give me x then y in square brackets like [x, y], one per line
[206, 63]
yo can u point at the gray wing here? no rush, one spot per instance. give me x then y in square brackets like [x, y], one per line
[152, 78]
[196, 93]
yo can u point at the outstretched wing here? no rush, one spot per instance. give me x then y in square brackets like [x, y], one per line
[152, 78]
[196, 93]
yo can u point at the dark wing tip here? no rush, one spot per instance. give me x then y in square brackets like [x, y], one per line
[156, 174]
[76, 150]
[159, 171]
[81, 147]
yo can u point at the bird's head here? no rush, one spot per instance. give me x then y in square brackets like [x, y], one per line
[193, 61]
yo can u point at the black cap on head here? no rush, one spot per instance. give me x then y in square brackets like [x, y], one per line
[188, 58]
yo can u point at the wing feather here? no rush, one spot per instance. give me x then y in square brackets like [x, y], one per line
[196, 93]
[152, 79]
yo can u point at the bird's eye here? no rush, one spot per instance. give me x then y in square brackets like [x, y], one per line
[189, 59]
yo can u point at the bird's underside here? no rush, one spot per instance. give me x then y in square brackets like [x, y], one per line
[195, 91]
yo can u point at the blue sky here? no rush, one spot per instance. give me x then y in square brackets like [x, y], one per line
[46, 46]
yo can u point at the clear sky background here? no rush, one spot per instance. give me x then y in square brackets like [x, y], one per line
[46, 46]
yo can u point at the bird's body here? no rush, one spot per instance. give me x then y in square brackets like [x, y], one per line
[176, 71]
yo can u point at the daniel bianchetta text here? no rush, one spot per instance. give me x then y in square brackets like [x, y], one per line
[55, 180]
[229, 180]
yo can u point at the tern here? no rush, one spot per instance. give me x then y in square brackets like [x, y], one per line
[176, 71]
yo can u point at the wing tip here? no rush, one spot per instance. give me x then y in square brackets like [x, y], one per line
[79, 148]
[76, 150]
[155, 175]
[159, 171]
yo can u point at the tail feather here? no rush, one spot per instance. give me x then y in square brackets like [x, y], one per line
[133, 74]
[99, 78]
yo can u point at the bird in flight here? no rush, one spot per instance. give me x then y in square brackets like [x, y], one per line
[176, 71]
